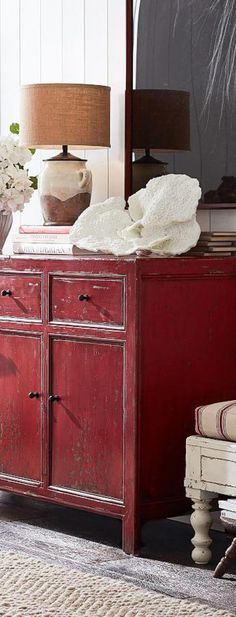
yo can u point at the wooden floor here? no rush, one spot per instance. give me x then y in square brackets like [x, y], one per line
[165, 540]
[93, 543]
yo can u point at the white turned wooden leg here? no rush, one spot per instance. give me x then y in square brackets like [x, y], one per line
[201, 522]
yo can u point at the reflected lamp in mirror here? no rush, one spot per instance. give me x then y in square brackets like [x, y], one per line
[54, 116]
[161, 121]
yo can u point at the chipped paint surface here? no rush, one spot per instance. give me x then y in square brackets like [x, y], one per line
[112, 374]
[105, 303]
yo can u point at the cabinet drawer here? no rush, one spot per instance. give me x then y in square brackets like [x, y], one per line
[92, 300]
[218, 471]
[20, 296]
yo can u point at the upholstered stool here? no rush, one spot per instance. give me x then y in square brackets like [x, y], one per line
[210, 471]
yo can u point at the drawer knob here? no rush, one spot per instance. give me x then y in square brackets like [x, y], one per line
[53, 397]
[84, 297]
[33, 395]
[6, 292]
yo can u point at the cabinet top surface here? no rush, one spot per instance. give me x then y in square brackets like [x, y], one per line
[150, 263]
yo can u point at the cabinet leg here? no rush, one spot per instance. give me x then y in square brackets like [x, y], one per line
[201, 522]
[131, 535]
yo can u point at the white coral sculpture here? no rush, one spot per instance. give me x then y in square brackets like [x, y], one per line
[161, 218]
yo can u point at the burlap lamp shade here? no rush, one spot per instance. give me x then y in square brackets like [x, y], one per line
[77, 115]
[161, 121]
[62, 115]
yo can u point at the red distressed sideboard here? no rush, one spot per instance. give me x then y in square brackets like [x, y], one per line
[102, 361]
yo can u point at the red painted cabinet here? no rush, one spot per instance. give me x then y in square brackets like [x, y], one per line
[102, 361]
[21, 406]
[86, 432]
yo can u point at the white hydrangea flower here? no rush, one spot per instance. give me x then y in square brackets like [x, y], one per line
[15, 185]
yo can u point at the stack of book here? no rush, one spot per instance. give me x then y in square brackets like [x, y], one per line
[55, 240]
[228, 510]
[219, 243]
[51, 240]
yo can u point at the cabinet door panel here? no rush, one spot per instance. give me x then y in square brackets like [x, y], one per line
[87, 421]
[20, 416]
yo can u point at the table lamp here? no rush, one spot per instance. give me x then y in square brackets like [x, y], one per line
[161, 120]
[63, 115]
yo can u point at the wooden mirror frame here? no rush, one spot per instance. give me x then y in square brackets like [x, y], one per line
[128, 115]
[128, 98]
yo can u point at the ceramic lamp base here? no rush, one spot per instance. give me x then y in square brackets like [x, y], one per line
[57, 212]
[65, 190]
[144, 169]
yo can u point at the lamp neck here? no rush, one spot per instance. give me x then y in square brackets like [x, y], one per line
[65, 156]
[148, 159]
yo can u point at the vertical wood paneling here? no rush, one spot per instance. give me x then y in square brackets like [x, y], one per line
[70, 41]
[116, 79]
[203, 220]
[73, 41]
[223, 220]
[10, 76]
[96, 41]
[10, 63]
[96, 71]
[30, 72]
[29, 42]
[51, 47]
[51, 40]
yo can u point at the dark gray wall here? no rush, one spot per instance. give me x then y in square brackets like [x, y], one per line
[176, 42]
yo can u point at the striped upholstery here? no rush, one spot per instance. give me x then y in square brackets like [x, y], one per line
[217, 420]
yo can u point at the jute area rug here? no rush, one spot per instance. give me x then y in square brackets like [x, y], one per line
[31, 588]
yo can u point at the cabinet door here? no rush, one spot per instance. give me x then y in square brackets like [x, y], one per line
[87, 421]
[20, 416]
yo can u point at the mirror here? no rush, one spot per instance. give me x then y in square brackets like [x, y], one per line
[181, 94]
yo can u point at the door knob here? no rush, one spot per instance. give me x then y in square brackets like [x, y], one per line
[33, 395]
[83, 297]
[6, 292]
[53, 397]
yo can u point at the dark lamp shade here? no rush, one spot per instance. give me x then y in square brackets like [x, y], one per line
[161, 120]
[52, 115]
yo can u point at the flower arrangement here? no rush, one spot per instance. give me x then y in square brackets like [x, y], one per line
[16, 186]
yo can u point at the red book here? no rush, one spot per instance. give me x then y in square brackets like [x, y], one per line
[45, 229]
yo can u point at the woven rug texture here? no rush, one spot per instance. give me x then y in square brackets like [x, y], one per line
[31, 588]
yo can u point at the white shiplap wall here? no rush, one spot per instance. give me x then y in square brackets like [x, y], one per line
[73, 41]
[70, 41]
[217, 220]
